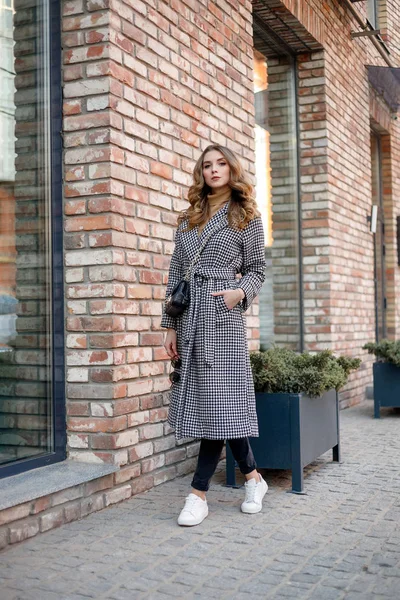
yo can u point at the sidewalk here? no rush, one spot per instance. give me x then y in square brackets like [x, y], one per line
[340, 541]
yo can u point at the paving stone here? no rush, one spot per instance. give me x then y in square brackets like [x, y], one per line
[340, 541]
[287, 591]
[122, 594]
[324, 593]
[9, 595]
[174, 590]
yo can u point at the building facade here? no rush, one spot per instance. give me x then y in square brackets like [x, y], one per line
[105, 106]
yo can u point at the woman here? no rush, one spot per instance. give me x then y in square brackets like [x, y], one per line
[212, 395]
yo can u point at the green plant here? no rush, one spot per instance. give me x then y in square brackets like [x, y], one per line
[279, 370]
[385, 351]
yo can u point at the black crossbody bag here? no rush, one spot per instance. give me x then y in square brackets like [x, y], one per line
[179, 298]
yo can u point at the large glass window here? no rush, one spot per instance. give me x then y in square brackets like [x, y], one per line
[379, 238]
[372, 12]
[26, 251]
[277, 198]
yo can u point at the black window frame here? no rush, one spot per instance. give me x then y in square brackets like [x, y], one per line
[268, 36]
[59, 433]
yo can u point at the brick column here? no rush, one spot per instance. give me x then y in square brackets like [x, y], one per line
[145, 91]
[314, 200]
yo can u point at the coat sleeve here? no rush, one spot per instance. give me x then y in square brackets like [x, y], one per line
[174, 276]
[253, 269]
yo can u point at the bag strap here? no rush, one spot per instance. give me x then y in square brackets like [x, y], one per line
[198, 253]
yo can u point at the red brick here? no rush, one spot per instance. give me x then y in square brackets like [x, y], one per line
[51, 519]
[150, 431]
[72, 107]
[15, 513]
[92, 424]
[40, 504]
[150, 339]
[153, 463]
[22, 530]
[142, 484]
[127, 473]
[117, 494]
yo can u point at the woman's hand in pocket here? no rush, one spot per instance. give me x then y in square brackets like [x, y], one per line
[230, 297]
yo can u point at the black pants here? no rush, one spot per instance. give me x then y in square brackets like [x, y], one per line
[209, 455]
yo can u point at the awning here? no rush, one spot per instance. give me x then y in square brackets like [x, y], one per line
[386, 81]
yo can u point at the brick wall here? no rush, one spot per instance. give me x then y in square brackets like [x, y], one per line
[146, 88]
[350, 194]
[336, 110]
[284, 251]
[314, 200]
[26, 520]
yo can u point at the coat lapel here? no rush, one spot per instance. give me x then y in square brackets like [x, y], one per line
[190, 243]
[191, 240]
[218, 221]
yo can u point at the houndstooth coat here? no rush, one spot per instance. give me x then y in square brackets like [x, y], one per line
[215, 397]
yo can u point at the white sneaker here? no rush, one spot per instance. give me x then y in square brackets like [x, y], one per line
[255, 492]
[194, 511]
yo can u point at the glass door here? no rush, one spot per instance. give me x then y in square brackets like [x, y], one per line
[277, 198]
[379, 239]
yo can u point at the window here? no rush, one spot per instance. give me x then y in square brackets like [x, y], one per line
[277, 198]
[379, 238]
[372, 13]
[31, 387]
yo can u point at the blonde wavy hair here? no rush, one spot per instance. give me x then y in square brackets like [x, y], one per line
[242, 208]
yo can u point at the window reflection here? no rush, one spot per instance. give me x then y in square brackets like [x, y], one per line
[25, 398]
[262, 144]
[379, 239]
[276, 194]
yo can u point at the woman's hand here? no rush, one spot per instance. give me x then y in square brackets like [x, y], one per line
[170, 344]
[231, 297]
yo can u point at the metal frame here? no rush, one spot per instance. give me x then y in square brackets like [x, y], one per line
[365, 25]
[285, 50]
[271, 38]
[299, 214]
[57, 281]
[381, 224]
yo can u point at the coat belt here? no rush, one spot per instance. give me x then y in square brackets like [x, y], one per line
[207, 276]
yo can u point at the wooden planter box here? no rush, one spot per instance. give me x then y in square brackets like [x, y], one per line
[386, 386]
[294, 431]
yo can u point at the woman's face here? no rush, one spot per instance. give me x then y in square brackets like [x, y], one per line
[216, 171]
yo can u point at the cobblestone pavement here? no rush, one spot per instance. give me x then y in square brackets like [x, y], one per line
[341, 540]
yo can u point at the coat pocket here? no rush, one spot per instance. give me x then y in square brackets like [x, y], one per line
[222, 312]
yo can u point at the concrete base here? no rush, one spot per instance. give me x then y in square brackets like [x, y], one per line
[34, 484]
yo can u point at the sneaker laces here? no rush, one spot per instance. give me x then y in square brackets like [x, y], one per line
[250, 491]
[190, 502]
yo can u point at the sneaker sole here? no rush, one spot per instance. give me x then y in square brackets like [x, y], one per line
[251, 511]
[193, 524]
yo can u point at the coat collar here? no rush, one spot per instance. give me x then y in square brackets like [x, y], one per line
[219, 218]
[192, 240]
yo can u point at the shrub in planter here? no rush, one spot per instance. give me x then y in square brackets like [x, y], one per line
[297, 409]
[279, 370]
[386, 372]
